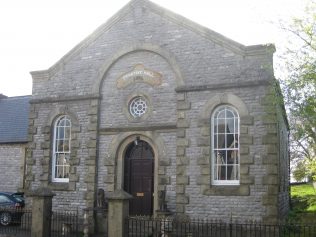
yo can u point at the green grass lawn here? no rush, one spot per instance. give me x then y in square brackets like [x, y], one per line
[303, 200]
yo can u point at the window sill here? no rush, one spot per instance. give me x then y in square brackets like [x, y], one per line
[223, 183]
[61, 186]
[227, 190]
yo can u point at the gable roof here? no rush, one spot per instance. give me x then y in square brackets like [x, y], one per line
[14, 115]
[171, 16]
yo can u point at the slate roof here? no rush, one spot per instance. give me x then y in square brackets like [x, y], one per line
[14, 115]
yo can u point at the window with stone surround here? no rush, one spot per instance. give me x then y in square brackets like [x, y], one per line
[225, 146]
[138, 106]
[61, 149]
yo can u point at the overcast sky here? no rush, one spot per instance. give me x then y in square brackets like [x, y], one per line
[34, 34]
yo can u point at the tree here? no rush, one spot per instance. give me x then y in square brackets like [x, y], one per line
[300, 171]
[299, 88]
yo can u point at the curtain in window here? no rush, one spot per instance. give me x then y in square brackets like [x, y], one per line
[61, 149]
[225, 145]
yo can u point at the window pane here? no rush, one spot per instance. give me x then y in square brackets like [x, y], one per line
[66, 146]
[216, 157]
[229, 140]
[220, 158]
[222, 172]
[236, 126]
[61, 122]
[236, 157]
[221, 126]
[60, 132]
[229, 157]
[67, 123]
[229, 114]
[225, 144]
[221, 141]
[62, 166]
[236, 141]
[62, 148]
[230, 126]
[67, 132]
[221, 114]
[60, 144]
[216, 173]
[230, 172]
[233, 172]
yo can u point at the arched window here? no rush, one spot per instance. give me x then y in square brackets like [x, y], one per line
[225, 146]
[61, 149]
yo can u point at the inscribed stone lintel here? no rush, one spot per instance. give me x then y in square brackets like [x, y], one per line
[139, 74]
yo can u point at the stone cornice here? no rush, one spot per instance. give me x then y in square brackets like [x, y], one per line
[130, 128]
[208, 87]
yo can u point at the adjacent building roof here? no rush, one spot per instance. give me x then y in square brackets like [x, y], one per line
[14, 115]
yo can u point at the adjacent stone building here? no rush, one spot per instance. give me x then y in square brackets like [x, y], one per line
[153, 102]
[14, 113]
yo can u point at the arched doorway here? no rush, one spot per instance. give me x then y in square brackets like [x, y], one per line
[139, 177]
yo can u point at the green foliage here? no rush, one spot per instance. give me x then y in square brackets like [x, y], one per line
[304, 168]
[299, 88]
[303, 198]
[311, 167]
[303, 213]
[303, 201]
[302, 190]
[300, 171]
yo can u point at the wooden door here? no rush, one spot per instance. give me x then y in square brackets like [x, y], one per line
[139, 177]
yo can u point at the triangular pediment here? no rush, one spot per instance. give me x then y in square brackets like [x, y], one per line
[135, 5]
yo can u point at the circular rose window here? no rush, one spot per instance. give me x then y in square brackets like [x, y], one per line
[138, 106]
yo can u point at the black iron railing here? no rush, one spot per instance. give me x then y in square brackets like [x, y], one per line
[18, 223]
[65, 224]
[175, 227]
[15, 222]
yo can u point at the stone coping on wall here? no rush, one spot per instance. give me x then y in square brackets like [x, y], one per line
[217, 86]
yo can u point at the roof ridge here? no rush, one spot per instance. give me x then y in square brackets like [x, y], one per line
[15, 97]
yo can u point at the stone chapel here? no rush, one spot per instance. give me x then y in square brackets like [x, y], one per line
[152, 102]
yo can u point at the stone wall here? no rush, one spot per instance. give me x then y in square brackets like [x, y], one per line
[284, 162]
[197, 56]
[12, 157]
[224, 201]
[199, 70]
[81, 186]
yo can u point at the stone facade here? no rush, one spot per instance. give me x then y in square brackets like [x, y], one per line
[14, 114]
[183, 72]
[12, 158]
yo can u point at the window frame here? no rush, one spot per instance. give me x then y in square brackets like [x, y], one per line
[214, 167]
[55, 151]
[144, 106]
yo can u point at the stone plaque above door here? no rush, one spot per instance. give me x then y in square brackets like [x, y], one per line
[139, 74]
